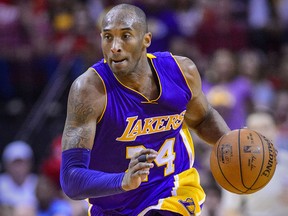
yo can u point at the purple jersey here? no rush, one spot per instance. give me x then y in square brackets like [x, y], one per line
[131, 122]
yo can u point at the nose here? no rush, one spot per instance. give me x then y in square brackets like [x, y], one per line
[116, 46]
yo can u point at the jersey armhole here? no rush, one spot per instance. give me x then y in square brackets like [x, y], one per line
[186, 81]
[105, 90]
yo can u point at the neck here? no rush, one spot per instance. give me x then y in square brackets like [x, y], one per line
[143, 80]
[135, 78]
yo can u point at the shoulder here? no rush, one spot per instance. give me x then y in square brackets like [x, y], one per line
[87, 91]
[187, 65]
[190, 72]
[89, 84]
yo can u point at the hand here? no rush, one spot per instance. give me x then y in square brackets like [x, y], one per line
[138, 169]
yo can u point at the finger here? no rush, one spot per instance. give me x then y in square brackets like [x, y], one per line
[142, 173]
[146, 158]
[147, 155]
[145, 151]
[151, 157]
[142, 166]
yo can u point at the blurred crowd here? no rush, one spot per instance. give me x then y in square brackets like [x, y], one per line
[239, 46]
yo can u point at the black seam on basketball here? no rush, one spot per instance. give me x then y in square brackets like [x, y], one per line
[261, 165]
[223, 172]
[240, 159]
[243, 183]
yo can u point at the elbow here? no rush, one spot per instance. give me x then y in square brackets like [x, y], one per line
[71, 191]
[69, 186]
[74, 196]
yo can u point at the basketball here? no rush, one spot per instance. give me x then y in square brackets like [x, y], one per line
[243, 161]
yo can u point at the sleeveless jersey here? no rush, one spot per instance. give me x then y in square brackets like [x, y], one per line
[131, 122]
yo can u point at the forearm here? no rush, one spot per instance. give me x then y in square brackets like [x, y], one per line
[78, 182]
[212, 127]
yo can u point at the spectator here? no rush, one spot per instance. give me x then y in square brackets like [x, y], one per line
[162, 23]
[264, 25]
[219, 30]
[188, 15]
[281, 114]
[226, 90]
[252, 65]
[48, 193]
[18, 182]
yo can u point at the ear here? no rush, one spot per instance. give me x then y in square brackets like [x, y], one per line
[147, 39]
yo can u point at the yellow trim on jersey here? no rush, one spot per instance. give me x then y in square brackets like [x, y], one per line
[89, 208]
[105, 91]
[187, 195]
[188, 142]
[149, 55]
[160, 85]
[182, 74]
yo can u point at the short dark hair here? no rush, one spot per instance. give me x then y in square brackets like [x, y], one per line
[133, 11]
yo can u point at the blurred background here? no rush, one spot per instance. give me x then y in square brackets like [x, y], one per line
[239, 46]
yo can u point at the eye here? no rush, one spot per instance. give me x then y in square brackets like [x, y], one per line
[107, 37]
[126, 36]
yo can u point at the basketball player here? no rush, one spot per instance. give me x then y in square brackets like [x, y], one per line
[126, 144]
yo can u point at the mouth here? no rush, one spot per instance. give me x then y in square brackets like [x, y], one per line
[118, 61]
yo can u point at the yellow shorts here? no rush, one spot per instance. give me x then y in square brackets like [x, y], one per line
[187, 196]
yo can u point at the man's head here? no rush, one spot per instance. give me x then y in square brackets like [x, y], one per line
[17, 150]
[128, 14]
[125, 38]
[17, 159]
[263, 123]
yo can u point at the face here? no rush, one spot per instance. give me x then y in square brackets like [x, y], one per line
[19, 169]
[124, 42]
[262, 123]
[224, 64]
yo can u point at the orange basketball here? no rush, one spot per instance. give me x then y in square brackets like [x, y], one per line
[243, 161]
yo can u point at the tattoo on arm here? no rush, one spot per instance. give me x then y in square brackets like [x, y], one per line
[78, 131]
[82, 113]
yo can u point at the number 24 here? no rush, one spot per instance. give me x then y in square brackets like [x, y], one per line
[165, 157]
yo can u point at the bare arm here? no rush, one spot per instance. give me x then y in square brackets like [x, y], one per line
[85, 104]
[200, 115]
